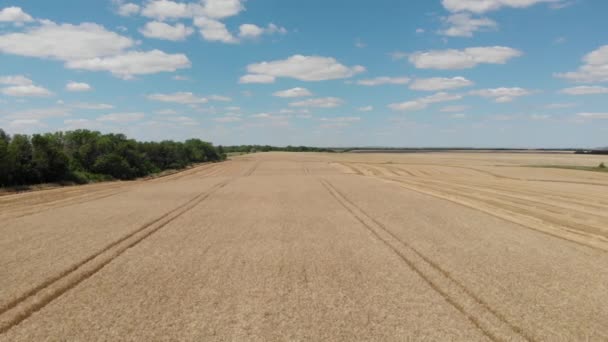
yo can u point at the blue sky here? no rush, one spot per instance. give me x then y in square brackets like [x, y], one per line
[478, 73]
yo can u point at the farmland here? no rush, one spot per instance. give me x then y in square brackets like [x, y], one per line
[315, 246]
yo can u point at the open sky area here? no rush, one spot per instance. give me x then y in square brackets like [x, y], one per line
[475, 73]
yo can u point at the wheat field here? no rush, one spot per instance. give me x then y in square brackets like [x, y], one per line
[319, 247]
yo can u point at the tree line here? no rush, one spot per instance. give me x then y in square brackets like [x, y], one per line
[82, 156]
[268, 148]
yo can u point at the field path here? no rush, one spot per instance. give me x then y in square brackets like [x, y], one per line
[292, 247]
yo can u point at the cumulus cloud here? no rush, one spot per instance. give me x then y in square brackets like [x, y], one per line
[482, 6]
[133, 63]
[254, 31]
[220, 98]
[18, 80]
[89, 47]
[165, 9]
[594, 69]
[214, 31]
[220, 9]
[170, 10]
[462, 59]
[365, 109]
[293, 92]
[424, 102]
[383, 80]
[440, 83]
[40, 113]
[180, 97]
[160, 30]
[128, 9]
[92, 106]
[77, 86]
[65, 42]
[464, 25]
[15, 15]
[305, 68]
[121, 117]
[256, 79]
[227, 119]
[342, 119]
[324, 102]
[585, 90]
[26, 91]
[503, 94]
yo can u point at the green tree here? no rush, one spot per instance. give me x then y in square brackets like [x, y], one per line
[48, 158]
[21, 154]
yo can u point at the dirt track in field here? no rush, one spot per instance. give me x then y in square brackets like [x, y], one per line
[331, 247]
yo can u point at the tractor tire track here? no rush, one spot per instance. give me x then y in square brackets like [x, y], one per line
[19, 309]
[568, 234]
[487, 319]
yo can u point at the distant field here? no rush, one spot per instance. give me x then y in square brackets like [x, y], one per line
[313, 246]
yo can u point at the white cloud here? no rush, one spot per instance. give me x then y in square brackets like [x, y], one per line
[26, 90]
[180, 78]
[593, 115]
[170, 10]
[250, 31]
[420, 30]
[440, 83]
[365, 109]
[40, 113]
[305, 68]
[220, 98]
[220, 9]
[539, 117]
[227, 119]
[342, 119]
[121, 117]
[183, 120]
[458, 116]
[324, 102]
[463, 59]
[160, 30]
[77, 86]
[464, 25]
[256, 79]
[594, 69]
[424, 102]
[293, 92]
[502, 94]
[20, 124]
[128, 9]
[18, 80]
[383, 80]
[166, 112]
[64, 42]
[72, 124]
[14, 15]
[133, 63]
[92, 106]
[482, 6]
[452, 109]
[585, 90]
[214, 31]
[165, 9]
[180, 97]
[254, 31]
[559, 105]
[89, 47]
